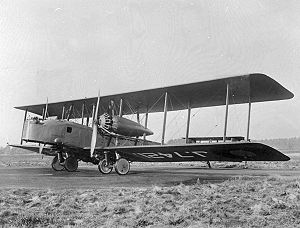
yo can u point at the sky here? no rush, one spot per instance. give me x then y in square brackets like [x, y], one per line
[69, 49]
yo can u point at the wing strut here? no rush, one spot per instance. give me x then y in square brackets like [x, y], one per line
[82, 112]
[138, 116]
[138, 120]
[120, 115]
[165, 119]
[45, 110]
[146, 123]
[248, 122]
[70, 112]
[25, 117]
[88, 117]
[188, 123]
[226, 112]
[93, 113]
[63, 112]
[121, 108]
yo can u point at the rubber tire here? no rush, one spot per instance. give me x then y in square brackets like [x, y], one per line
[71, 164]
[122, 166]
[55, 164]
[103, 169]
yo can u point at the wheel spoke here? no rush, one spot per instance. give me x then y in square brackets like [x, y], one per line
[104, 167]
[71, 164]
[122, 166]
[56, 164]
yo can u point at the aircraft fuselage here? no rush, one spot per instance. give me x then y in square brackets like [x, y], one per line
[68, 133]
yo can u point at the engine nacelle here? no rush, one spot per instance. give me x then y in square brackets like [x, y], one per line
[123, 126]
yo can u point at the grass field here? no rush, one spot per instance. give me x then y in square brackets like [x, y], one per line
[239, 202]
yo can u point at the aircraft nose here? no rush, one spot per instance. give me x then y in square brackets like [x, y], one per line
[148, 131]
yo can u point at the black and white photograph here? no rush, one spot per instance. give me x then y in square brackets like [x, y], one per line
[150, 113]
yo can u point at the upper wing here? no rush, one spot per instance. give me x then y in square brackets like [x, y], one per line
[257, 87]
[237, 151]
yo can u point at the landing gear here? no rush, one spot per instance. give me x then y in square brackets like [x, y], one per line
[104, 167]
[71, 164]
[209, 165]
[246, 165]
[122, 166]
[110, 160]
[56, 165]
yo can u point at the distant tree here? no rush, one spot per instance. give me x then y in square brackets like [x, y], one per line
[288, 144]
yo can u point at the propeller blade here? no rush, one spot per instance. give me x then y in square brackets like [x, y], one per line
[112, 107]
[95, 127]
[94, 139]
[97, 106]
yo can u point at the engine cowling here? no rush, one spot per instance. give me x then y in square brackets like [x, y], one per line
[122, 126]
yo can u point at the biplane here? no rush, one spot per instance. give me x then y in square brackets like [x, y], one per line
[109, 140]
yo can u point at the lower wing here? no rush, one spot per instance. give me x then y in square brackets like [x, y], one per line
[234, 151]
[38, 149]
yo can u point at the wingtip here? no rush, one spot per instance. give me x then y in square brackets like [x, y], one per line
[286, 158]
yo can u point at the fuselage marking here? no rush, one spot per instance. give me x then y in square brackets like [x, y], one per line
[187, 154]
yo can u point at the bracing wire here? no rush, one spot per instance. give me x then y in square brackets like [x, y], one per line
[193, 116]
[155, 103]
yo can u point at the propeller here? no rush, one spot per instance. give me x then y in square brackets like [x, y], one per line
[95, 127]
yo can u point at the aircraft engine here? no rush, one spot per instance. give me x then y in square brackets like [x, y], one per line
[122, 126]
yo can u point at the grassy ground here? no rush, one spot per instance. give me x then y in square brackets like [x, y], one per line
[24, 160]
[240, 202]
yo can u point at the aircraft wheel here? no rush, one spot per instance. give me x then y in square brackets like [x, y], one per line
[71, 164]
[56, 164]
[104, 168]
[122, 166]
